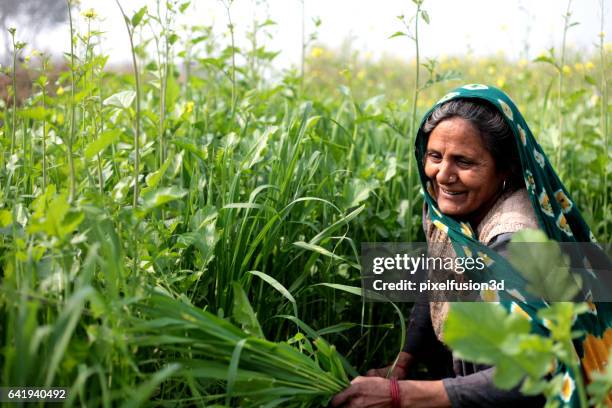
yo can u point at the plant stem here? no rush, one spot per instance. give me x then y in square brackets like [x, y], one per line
[137, 119]
[72, 107]
[603, 112]
[14, 110]
[566, 26]
[44, 139]
[415, 98]
[303, 41]
[231, 28]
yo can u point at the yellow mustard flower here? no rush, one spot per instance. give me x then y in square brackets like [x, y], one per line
[316, 52]
[90, 14]
[60, 91]
[189, 107]
[566, 70]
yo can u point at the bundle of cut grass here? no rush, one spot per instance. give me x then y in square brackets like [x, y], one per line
[254, 371]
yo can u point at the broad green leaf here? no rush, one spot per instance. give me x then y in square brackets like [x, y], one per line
[546, 269]
[243, 312]
[485, 333]
[123, 99]
[162, 196]
[357, 191]
[153, 179]
[137, 17]
[101, 143]
[254, 154]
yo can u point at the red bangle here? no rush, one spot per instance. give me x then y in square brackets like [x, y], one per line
[395, 394]
[402, 366]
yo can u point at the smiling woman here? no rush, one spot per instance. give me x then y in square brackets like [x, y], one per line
[485, 178]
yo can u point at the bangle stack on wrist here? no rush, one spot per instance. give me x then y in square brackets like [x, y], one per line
[395, 394]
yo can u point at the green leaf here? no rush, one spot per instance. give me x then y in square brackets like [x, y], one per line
[318, 249]
[101, 143]
[398, 34]
[123, 99]
[6, 218]
[425, 16]
[279, 287]
[232, 371]
[173, 91]
[541, 262]
[36, 113]
[153, 179]
[254, 154]
[485, 333]
[137, 17]
[243, 312]
[590, 80]
[184, 6]
[357, 191]
[143, 392]
[162, 196]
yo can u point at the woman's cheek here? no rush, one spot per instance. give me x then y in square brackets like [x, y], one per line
[430, 171]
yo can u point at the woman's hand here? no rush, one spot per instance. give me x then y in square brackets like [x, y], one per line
[375, 392]
[400, 371]
[365, 392]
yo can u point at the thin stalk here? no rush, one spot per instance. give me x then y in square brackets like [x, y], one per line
[137, 119]
[72, 107]
[162, 61]
[415, 98]
[603, 112]
[566, 26]
[233, 76]
[14, 110]
[14, 82]
[94, 123]
[43, 87]
[303, 41]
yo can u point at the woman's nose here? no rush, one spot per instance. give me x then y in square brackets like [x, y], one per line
[446, 173]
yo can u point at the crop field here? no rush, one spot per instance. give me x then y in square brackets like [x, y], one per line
[186, 230]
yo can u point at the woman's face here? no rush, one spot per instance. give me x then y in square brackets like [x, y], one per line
[462, 172]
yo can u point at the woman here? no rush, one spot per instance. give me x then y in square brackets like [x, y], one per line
[484, 178]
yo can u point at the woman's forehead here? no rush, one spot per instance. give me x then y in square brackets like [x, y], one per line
[458, 134]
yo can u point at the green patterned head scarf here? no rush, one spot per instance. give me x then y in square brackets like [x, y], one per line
[554, 208]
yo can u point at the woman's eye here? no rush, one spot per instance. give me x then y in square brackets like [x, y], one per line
[464, 162]
[433, 156]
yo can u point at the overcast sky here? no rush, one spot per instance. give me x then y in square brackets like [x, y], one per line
[482, 26]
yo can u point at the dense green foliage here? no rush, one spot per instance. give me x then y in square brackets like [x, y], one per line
[151, 223]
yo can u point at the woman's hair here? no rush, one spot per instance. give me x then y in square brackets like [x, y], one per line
[493, 129]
